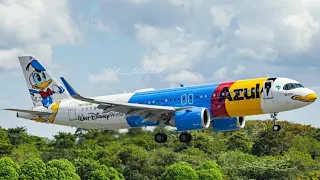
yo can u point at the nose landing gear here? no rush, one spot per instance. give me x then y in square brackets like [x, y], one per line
[274, 118]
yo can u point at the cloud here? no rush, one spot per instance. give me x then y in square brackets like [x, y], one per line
[221, 74]
[104, 78]
[222, 16]
[184, 77]
[239, 69]
[33, 27]
[172, 48]
[205, 35]
[303, 27]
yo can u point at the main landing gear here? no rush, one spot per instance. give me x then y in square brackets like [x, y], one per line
[185, 137]
[274, 118]
[161, 137]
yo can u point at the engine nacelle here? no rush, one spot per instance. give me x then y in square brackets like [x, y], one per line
[228, 124]
[191, 119]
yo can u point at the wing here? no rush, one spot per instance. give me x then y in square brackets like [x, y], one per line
[38, 113]
[150, 113]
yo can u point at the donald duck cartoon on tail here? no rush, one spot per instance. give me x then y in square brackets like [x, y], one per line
[40, 84]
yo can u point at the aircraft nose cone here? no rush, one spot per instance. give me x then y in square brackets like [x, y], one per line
[311, 97]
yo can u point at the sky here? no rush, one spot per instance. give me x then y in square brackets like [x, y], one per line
[113, 46]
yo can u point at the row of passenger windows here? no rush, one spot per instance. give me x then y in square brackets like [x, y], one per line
[197, 97]
[89, 108]
[292, 86]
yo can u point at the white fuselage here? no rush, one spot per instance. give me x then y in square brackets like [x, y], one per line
[75, 113]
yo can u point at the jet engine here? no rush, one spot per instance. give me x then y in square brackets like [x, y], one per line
[191, 119]
[228, 124]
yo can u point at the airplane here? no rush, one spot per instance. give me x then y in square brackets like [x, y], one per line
[220, 106]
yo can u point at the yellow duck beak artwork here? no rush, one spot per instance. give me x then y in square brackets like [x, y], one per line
[54, 108]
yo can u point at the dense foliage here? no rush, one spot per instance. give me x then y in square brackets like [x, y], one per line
[255, 152]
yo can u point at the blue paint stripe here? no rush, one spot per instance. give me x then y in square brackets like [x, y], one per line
[71, 91]
[159, 97]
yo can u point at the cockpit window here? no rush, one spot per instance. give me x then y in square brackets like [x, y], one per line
[290, 86]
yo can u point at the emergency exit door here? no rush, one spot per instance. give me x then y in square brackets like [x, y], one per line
[72, 111]
[267, 92]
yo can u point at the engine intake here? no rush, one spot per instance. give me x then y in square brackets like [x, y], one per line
[191, 119]
[228, 124]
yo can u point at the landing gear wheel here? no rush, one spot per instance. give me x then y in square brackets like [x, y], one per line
[160, 138]
[274, 119]
[185, 137]
[276, 127]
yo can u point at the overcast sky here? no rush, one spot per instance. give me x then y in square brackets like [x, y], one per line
[182, 41]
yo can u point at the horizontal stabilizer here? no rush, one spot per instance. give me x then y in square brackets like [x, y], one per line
[38, 113]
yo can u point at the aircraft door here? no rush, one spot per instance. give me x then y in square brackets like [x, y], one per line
[72, 111]
[267, 90]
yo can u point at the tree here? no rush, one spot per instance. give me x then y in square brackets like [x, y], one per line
[64, 140]
[9, 169]
[33, 169]
[230, 162]
[159, 159]
[105, 173]
[5, 144]
[25, 151]
[210, 174]
[135, 131]
[272, 143]
[180, 171]
[18, 135]
[61, 169]
[210, 170]
[239, 141]
[210, 165]
[268, 168]
[84, 167]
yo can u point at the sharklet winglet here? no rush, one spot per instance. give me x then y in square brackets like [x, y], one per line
[71, 91]
[74, 93]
